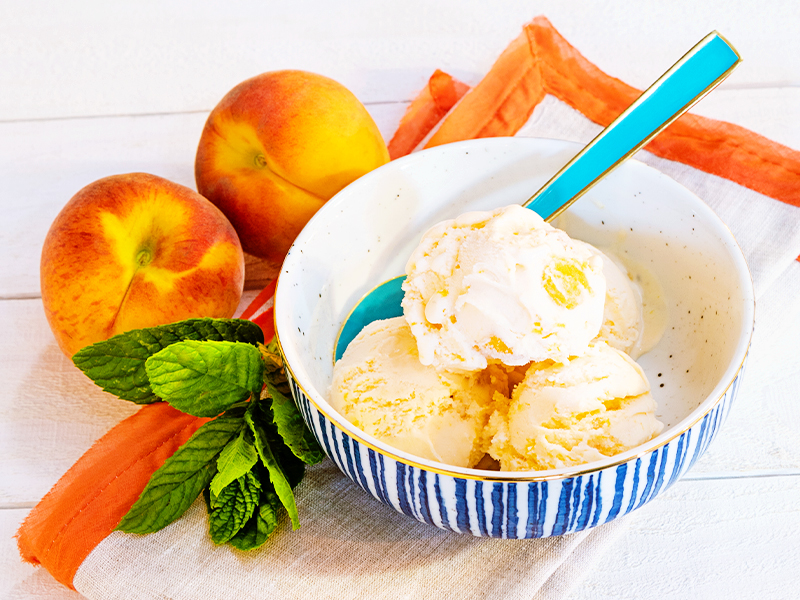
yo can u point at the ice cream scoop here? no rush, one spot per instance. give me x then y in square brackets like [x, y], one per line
[380, 386]
[502, 286]
[573, 412]
[698, 72]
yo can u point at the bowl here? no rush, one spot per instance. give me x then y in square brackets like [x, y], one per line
[364, 235]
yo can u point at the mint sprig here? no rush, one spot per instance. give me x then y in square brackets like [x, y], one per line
[261, 525]
[265, 441]
[237, 459]
[247, 460]
[292, 428]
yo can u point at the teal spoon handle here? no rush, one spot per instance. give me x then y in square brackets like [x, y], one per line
[692, 77]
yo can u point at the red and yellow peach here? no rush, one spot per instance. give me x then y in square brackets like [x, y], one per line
[276, 148]
[136, 250]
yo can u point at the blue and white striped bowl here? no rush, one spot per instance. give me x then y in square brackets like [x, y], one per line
[363, 237]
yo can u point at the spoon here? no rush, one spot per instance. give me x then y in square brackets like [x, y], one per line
[697, 73]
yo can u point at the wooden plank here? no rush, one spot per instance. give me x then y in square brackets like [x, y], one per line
[761, 432]
[711, 540]
[50, 413]
[42, 164]
[728, 530]
[87, 58]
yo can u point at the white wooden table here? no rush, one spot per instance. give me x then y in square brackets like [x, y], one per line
[88, 89]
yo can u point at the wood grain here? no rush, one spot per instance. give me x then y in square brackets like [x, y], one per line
[43, 163]
[701, 539]
[22, 581]
[50, 413]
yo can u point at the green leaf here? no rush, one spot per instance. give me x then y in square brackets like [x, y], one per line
[273, 347]
[236, 459]
[291, 427]
[273, 367]
[233, 507]
[177, 483]
[293, 467]
[290, 422]
[263, 522]
[118, 364]
[205, 378]
[264, 442]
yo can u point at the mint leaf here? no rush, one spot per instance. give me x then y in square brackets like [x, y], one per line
[205, 378]
[263, 522]
[290, 422]
[263, 442]
[233, 507]
[293, 467]
[118, 364]
[273, 367]
[292, 428]
[236, 459]
[177, 483]
[273, 348]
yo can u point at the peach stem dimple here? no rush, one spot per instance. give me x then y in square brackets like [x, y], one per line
[144, 257]
[260, 160]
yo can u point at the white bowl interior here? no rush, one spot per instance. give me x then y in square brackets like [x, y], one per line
[364, 235]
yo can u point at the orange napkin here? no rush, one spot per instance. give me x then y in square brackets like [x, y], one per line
[83, 508]
[425, 112]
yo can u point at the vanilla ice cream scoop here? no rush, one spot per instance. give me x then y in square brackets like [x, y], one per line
[380, 386]
[564, 414]
[502, 286]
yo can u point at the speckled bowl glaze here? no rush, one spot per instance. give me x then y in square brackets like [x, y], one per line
[364, 235]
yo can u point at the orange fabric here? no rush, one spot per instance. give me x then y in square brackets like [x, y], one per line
[266, 321]
[541, 62]
[501, 103]
[425, 111]
[89, 501]
[260, 300]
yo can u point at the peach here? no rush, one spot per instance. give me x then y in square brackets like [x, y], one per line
[136, 250]
[276, 148]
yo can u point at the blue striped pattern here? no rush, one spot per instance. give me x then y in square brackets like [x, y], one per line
[516, 509]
